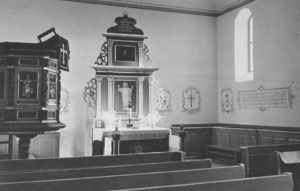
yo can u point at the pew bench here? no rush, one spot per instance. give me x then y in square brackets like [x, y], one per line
[290, 162]
[227, 154]
[282, 182]
[102, 171]
[223, 141]
[94, 161]
[126, 181]
[261, 160]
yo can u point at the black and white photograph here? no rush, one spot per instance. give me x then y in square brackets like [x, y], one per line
[150, 95]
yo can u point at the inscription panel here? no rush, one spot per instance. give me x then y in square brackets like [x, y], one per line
[266, 98]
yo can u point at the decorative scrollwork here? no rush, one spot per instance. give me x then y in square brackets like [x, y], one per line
[102, 58]
[291, 96]
[147, 59]
[64, 101]
[89, 95]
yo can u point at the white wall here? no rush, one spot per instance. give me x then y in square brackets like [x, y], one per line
[182, 46]
[276, 60]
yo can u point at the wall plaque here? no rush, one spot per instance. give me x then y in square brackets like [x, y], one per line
[164, 100]
[263, 98]
[191, 100]
[227, 100]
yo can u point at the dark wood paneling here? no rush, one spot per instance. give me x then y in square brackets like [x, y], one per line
[234, 135]
[233, 141]
[244, 140]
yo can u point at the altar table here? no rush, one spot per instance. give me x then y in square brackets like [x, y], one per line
[132, 140]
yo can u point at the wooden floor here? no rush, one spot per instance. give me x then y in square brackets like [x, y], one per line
[215, 163]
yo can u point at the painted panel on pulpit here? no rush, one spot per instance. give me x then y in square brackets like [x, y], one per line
[28, 85]
[52, 86]
[125, 92]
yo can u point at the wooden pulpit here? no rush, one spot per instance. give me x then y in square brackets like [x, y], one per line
[30, 86]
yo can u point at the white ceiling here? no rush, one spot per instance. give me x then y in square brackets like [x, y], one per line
[200, 7]
[207, 5]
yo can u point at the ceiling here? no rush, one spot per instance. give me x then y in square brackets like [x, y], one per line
[198, 7]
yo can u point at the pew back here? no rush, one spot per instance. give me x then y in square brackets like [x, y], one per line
[260, 160]
[65, 163]
[290, 162]
[268, 183]
[103, 171]
[129, 180]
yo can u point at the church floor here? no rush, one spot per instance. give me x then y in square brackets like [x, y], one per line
[215, 163]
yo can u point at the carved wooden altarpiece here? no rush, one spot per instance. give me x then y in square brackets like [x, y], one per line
[123, 61]
[124, 81]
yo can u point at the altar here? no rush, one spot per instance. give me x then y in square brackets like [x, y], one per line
[132, 140]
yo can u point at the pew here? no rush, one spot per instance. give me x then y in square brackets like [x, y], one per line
[282, 182]
[102, 171]
[223, 141]
[290, 162]
[260, 160]
[124, 181]
[226, 142]
[94, 161]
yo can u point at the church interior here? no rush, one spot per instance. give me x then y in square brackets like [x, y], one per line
[150, 95]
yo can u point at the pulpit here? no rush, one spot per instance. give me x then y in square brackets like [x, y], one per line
[30, 86]
[124, 85]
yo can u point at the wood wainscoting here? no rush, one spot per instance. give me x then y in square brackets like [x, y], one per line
[233, 136]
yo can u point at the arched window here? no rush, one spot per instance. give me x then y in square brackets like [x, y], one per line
[243, 46]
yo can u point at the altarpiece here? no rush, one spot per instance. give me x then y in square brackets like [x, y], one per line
[124, 92]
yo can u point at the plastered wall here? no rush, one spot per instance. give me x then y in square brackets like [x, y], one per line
[276, 61]
[182, 46]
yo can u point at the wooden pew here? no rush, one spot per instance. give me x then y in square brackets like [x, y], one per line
[129, 180]
[77, 162]
[225, 140]
[282, 182]
[260, 160]
[102, 171]
[290, 162]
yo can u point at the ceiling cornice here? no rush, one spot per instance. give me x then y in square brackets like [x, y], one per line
[164, 8]
[233, 6]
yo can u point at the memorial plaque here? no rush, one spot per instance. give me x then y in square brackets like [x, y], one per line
[266, 98]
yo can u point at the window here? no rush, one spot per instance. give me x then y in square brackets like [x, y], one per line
[243, 46]
[250, 45]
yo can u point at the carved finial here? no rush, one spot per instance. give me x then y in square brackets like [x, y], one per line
[125, 14]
